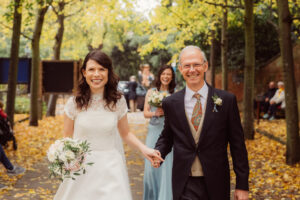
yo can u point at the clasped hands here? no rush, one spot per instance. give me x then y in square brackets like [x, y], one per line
[156, 160]
[153, 156]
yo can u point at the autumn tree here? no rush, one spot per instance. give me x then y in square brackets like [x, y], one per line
[249, 71]
[286, 49]
[14, 60]
[224, 47]
[212, 59]
[59, 10]
[35, 96]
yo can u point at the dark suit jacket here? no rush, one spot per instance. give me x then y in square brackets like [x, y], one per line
[219, 129]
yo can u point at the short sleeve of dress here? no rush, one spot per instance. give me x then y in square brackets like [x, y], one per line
[70, 108]
[121, 107]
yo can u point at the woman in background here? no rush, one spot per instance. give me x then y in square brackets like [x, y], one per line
[158, 181]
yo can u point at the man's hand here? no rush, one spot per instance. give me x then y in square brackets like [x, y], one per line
[241, 195]
[156, 163]
[272, 102]
[153, 156]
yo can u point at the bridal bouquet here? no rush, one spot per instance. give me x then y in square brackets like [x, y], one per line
[67, 158]
[156, 97]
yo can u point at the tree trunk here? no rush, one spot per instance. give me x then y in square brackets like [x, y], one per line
[212, 58]
[291, 110]
[249, 71]
[51, 105]
[14, 61]
[60, 32]
[56, 49]
[35, 68]
[224, 47]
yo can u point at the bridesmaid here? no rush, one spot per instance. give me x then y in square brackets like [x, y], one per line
[158, 181]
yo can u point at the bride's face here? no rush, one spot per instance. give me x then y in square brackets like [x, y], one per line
[96, 76]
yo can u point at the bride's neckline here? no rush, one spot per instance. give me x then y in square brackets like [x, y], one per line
[97, 96]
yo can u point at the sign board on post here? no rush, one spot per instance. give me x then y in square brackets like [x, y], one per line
[24, 71]
[59, 76]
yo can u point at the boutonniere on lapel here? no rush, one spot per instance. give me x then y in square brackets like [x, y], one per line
[217, 102]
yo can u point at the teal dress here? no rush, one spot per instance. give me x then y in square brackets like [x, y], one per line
[157, 181]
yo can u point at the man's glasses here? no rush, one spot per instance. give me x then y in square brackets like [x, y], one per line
[195, 65]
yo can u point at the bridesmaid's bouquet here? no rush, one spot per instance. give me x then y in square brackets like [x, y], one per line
[67, 158]
[156, 98]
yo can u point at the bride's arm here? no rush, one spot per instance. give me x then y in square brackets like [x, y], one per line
[68, 126]
[134, 142]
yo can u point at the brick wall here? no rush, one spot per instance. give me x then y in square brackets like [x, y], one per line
[235, 83]
[271, 72]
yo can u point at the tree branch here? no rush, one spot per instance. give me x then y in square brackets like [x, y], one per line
[185, 22]
[23, 34]
[71, 1]
[273, 24]
[74, 13]
[295, 18]
[224, 6]
[54, 10]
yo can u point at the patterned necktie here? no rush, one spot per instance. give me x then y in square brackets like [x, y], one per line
[197, 112]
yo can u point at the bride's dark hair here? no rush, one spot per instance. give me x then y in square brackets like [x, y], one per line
[111, 94]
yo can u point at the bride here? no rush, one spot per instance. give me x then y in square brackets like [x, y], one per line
[98, 114]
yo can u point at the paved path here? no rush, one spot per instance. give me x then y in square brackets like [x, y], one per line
[36, 185]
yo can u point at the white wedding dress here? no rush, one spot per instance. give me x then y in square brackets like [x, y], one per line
[107, 178]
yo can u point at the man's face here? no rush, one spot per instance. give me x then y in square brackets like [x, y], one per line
[192, 68]
[271, 85]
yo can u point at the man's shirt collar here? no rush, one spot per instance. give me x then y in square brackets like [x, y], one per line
[203, 92]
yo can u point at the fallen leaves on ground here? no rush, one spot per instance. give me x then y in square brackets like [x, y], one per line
[270, 178]
[135, 161]
[275, 127]
[33, 143]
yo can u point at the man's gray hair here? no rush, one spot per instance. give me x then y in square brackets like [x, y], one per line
[192, 47]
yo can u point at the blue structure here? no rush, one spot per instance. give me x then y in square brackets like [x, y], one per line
[24, 70]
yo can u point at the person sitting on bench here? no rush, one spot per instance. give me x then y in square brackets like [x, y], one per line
[277, 101]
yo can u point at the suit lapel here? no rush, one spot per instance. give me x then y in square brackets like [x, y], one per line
[180, 114]
[208, 113]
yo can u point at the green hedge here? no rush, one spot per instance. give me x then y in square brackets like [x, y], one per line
[22, 105]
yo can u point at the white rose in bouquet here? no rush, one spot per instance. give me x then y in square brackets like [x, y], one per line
[70, 155]
[62, 157]
[51, 156]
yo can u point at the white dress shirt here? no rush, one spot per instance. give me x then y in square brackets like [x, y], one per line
[189, 101]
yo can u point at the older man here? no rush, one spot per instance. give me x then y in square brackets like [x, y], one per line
[200, 122]
[268, 96]
[277, 101]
